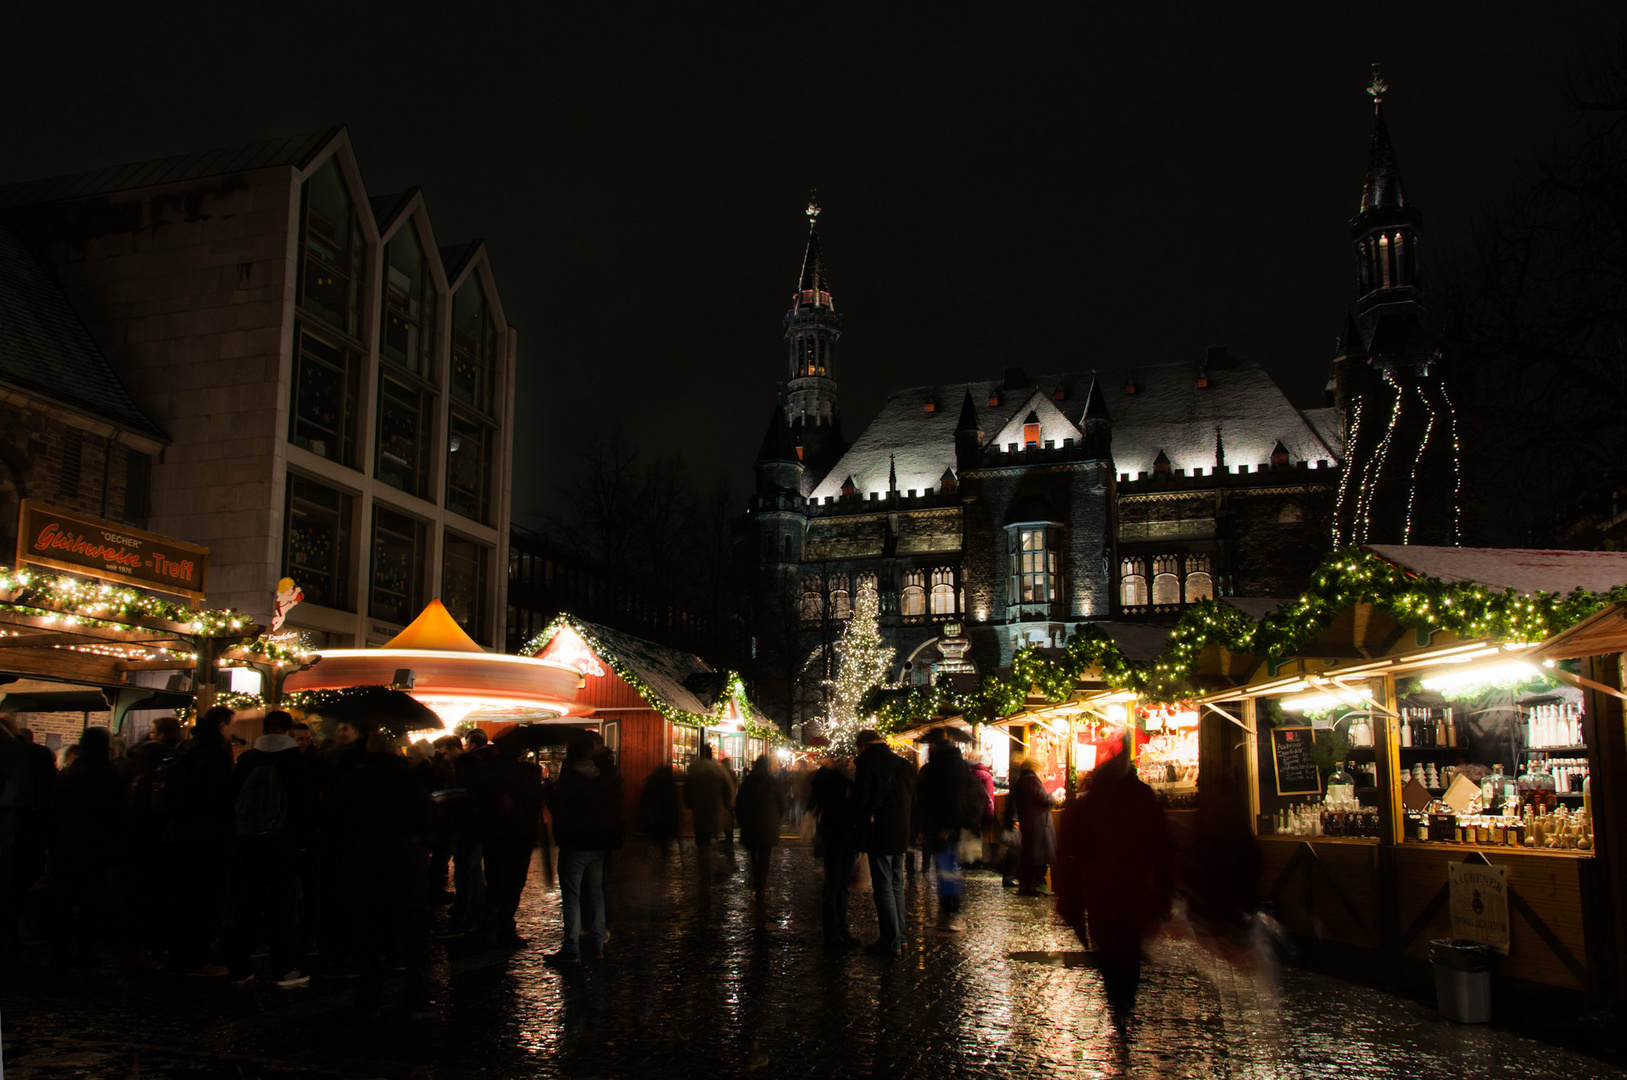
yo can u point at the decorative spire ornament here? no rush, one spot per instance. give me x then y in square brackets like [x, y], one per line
[1376, 86]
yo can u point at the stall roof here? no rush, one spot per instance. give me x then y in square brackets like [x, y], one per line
[1600, 634]
[1525, 570]
[681, 679]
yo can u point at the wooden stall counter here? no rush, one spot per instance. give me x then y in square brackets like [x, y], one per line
[1552, 930]
[1323, 886]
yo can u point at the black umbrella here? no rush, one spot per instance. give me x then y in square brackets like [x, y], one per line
[517, 738]
[382, 708]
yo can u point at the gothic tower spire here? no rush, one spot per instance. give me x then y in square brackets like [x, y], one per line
[1385, 230]
[812, 329]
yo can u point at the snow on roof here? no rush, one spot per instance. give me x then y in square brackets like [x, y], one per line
[1326, 424]
[1525, 570]
[1168, 412]
[669, 673]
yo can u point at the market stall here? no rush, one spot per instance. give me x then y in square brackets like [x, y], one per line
[1395, 756]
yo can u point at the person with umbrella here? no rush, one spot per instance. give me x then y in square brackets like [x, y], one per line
[760, 807]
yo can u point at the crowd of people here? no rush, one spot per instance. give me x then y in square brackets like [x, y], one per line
[181, 854]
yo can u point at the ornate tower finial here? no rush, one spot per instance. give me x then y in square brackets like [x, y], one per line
[813, 207]
[1377, 86]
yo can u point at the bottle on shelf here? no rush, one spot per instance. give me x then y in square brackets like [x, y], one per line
[1406, 729]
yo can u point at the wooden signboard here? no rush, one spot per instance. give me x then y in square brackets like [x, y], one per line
[1479, 902]
[66, 540]
[1297, 772]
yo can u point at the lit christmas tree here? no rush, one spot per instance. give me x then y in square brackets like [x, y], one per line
[861, 666]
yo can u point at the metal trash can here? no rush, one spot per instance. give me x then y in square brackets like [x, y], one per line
[1462, 979]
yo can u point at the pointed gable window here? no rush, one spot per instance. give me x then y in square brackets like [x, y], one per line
[332, 249]
[1160, 465]
[1133, 583]
[848, 490]
[1031, 430]
[994, 397]
[1279, 455]
[946, 483]
[409, 303]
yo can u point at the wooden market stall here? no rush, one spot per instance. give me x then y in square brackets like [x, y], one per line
[1390, 753]
[655, 705]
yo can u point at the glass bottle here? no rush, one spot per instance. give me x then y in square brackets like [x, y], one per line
[1341, 788]
[1492, 790]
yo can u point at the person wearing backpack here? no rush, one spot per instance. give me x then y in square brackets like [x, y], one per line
[274, 815]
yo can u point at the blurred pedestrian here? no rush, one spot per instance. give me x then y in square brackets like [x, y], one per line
[945, 786]
[760, 806]
[275, 815]
[89, 809]
[985, 780]
[1114, 877]
[16, 803]
[468, 833]
[511, 835]
[1038, 832]
[709, 793]
[830, 795]
[605, 759]
[196, 793]
[883, 796]
[586, 803]
[658, 810]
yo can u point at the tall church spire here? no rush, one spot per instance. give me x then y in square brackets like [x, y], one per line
[812, 329]
[1385, 230]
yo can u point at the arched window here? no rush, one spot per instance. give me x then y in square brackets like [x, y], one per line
[1133, 582]
[1199, 585]
[1384, 260]
[1166, 583]
[914, 598]
[943, 592]
[813, 603]
[841, 604]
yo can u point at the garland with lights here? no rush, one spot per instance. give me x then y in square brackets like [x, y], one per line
[734, 687]
[1466, 609]
[100, 603]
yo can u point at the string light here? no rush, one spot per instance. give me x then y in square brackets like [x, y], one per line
[1349, 470]
[1457, 467]
[1364, 498]
[1412, 482]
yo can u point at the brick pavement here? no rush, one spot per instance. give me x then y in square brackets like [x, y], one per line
[707, 984]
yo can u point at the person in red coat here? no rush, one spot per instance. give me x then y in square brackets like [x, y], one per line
[1113, 876]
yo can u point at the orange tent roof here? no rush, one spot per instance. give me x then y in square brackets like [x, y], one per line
[434, 628]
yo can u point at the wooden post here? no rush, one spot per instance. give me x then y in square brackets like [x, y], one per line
[1251, 759]
[1070, 785]
[205, 674]
[1386, 753]
[1606, 738]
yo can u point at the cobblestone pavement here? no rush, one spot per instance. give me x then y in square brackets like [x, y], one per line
[707, 984]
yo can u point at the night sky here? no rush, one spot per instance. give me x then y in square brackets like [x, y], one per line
[1055, 193]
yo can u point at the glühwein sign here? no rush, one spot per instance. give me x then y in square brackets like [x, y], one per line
[65, 540]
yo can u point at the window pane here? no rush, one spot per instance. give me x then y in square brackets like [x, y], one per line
[474, 346]
[463, 585]
[409, 303]
[403, 436]
[398, 566]
[316, 543]
[1166, 589]
[331, 252]
[468, 468]
[324, 411]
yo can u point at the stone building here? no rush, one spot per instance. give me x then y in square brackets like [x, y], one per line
[336, 386]
[1007, 512]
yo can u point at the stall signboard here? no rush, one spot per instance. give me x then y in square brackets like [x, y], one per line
[1479, 903]
[79, 544]
[1297, 772]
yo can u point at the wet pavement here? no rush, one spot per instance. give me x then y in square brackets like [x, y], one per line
[707, 984]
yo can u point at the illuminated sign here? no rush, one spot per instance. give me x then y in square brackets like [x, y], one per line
[65, 540]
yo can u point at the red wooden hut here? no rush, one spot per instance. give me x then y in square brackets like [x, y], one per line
[654, 705]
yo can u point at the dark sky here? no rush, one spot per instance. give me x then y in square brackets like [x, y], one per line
[1055, 192]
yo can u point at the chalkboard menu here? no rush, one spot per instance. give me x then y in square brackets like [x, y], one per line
[1297, 773]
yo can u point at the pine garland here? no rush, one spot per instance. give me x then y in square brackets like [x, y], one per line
[734, 687]
[1466, 609]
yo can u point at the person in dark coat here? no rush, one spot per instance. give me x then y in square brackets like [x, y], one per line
[378, 819]
[275, 813]
[760, 806]
[1114, 876]
[468, 834]
[88, 810]
[197, 797]
[709, 794]
[883, 795]
[830, 792]
[943, 782]
[1033, 812]
[511, 836]
[585, 807]
[658, 809]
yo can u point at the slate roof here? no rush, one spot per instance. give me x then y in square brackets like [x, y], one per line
[1169, 412]
[46, 350]
[1382, 188]
[1525, 570]
[295, 150]
[777, 442]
